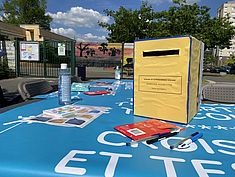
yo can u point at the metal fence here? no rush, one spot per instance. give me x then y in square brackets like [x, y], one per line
[44, 61]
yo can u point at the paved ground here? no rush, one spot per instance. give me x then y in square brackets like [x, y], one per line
[220, 78]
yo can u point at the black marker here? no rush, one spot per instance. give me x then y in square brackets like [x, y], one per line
[161, 137]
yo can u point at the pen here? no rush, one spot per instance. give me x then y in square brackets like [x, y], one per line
[161, 137]
[155, 137]
[189, 141]
[182, 141]
[143, 139]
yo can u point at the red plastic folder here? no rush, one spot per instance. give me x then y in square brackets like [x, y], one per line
[100, 92]
[145, 129]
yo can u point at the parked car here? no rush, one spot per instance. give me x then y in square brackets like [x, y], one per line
[232, 69]
[225, 69]
[207, 68]
[215, 70]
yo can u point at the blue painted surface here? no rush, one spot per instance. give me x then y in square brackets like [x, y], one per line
[34, 150]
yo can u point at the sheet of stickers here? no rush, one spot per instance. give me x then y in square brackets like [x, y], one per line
[69, 115]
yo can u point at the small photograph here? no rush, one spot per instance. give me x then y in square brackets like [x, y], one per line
[75, 121]
[83, 111]
[59, 121]
[87, 116]
[40, 119]
[94, 111]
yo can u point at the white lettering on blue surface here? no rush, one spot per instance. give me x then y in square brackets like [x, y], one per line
[223, 146]
[101, 138]
[204, 127]
[121, 103]
[128, 110]
[190, 126]
[232, 115]
[209, 109]
[62, 168]
[206, 146]
[233, 166]
[202, 172]
[216, 109]
[225, 109]
[218, 116]
[168, 162]
[215, 116]
[110, 169]
[220, 127]
[198, 114]
[220, 143]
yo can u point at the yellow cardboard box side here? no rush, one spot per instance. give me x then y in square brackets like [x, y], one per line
[194, 78]
[161, 82]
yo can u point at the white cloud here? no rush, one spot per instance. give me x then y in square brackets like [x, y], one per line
[90, 36]
[79, 17]
[158, 1]
[69, 32]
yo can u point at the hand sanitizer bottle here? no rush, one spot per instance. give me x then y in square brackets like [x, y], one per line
[117, 73]
[64, 85]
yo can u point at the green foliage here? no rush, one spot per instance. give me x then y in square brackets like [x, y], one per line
[129, 24]
[209, 59]
[181, 19]
[25, 12]
[230, 61]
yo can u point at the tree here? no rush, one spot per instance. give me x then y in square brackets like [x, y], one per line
[181, 19]
[114, 51]
[195, 20]
[25, 12]
[209, 59]
[82, 47]
[129, 24]
[230, 61]
[103, 47]
[90, 52]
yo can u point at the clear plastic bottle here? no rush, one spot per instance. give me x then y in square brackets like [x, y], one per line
[64, 85]
[117, 73]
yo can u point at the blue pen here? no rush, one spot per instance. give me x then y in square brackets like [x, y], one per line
[186, 143]
[182, 141]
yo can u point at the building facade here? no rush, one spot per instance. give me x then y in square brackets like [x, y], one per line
[227, 8]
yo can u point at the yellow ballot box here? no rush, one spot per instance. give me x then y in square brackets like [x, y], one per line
[167, 78]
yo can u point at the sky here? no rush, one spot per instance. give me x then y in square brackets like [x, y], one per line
[78, 19]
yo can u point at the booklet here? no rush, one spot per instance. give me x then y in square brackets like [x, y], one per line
[80, 87]
[141, 130]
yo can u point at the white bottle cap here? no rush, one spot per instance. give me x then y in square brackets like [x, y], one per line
[63, 66]
[117, 67]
